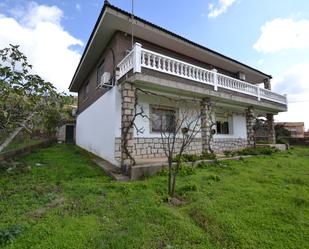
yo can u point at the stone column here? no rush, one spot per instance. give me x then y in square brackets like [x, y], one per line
[267, 84]
[205, 124]
[127, 131]
[271, 128]
[249, 125]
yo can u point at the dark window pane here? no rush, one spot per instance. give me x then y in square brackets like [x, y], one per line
[100, 72]
[218, 127]
[225, 128]
[86, 90]
[163, 120]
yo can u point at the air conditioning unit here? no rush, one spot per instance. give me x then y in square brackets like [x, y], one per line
[105, 80]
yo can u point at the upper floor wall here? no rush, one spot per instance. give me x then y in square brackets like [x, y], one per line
[117, 48]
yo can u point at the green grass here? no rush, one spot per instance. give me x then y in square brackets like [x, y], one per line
[18, 144]
[57, 198]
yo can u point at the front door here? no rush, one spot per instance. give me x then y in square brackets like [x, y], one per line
[69, 134]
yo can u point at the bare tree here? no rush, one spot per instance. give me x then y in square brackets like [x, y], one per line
[176, 139]
[176, 136]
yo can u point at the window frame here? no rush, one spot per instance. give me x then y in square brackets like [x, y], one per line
[86, 91]
[100, 69]
[163, 108]
[220, 118]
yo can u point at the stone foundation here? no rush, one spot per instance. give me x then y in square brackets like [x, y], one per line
[222, 144]
[153, 148]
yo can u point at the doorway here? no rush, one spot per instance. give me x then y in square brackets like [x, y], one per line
[69, 134]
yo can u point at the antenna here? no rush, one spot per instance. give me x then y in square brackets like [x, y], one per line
[132, 23]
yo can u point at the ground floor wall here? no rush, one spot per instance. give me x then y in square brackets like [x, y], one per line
[148, 144]
[99, 125]
[147, 148]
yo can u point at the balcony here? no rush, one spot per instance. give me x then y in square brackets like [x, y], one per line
[140, 58]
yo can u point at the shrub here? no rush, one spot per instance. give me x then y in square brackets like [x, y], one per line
[227, 153]
[9, 233]
[208, 156]
[214, 178]
[191, 157]
[194, 157]
[186, 158]
[188, 188]
[248, 151]
[203, 165]
[282, 141]
[185, 170]
[262, 142]
[178, 158]
[258, 151]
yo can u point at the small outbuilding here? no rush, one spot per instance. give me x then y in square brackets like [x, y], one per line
[66, 132]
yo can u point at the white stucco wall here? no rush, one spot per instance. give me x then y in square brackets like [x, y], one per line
[146, 102]
[238, 121]
[238, 128]
[99, 124]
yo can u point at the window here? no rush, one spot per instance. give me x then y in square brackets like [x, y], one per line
[100, 72]
[223, 124]
[163, 119]
[86, 91]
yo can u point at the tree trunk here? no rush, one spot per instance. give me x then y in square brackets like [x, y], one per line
[173, 185]
[169, 176]
[10, 138]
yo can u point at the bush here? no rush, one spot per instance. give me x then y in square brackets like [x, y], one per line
[186, 158]
[227, 153]
[9, 233]
[262, 142]
[194, 157]
[214, 178]
[188, 188]
[282, 141]
[185, 170]
[248, 151]
[203, 165]
[208, 156]
[258, 151]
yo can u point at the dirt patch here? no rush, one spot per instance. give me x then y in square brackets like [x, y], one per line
[41, 211]
[176, 201]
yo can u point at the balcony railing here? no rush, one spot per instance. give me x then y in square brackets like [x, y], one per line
[140, 57]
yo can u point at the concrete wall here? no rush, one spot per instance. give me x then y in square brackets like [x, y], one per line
[99, 124]
[238, 128]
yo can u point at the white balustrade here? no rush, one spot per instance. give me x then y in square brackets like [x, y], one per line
[140, 57]
[125, 65]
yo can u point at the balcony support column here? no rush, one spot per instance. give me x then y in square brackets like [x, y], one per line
[271, 128]
[250, 120]
[206, 124]
[127, 132]
[137, 58]
[267, 84]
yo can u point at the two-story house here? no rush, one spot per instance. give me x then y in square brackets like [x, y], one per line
[111, 70]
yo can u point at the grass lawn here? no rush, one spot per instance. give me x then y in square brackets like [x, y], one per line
[59, 199]
[17, 144]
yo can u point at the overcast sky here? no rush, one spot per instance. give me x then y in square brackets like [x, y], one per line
[272, 36]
